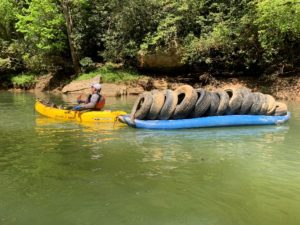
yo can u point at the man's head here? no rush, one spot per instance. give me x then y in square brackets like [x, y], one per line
[96, 87]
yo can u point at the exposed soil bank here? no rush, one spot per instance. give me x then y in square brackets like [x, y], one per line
[281, 87]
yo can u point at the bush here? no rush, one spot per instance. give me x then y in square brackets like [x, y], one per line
[23, 81]
[111, 73]
[87, 64]
[279, 30]
[10, 57]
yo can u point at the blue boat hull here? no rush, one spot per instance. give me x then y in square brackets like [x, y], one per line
[211, 121]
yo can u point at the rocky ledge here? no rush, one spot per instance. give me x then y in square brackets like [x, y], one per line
[114, 90]
[284, 88]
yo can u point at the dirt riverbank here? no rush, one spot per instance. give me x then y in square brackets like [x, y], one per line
[281, 87]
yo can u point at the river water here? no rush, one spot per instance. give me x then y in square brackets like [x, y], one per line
[58, 172]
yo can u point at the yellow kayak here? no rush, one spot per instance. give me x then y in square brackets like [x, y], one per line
[106, 116]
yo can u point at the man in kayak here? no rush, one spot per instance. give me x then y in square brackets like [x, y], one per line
[95, 100]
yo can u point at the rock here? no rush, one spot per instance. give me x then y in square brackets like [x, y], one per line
[135, 90]
[297, 98]
[161, 60]
[174, 86]
[43, 83]
[160, 84]
[56, 91]
[82, 86]
[143, 82]
[112, 90]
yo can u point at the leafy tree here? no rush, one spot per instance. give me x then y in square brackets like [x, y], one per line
[222, 35]
[10, 55]
[8, 9]
[130, 21]
[43, 27]
[228, 40]
[69, 24]
[279, 29]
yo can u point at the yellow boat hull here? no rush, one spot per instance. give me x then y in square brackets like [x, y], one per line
[80, 116]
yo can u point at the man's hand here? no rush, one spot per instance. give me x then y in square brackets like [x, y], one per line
[79, 99]
[78, 108]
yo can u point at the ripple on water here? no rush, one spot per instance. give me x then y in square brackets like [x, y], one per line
[73, 173]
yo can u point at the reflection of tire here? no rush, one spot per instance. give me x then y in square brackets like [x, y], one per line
[157, 104]
[256, 106]
[235, 101]
[281, 109]
[223, 104]
[271, 104]
[202, 104]
[214, 104]
[141, 106]
[187, 98]
[169, 106]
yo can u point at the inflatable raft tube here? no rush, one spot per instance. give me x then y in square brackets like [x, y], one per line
[210, 121]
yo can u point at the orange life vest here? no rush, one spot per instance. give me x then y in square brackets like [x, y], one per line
[100, 103]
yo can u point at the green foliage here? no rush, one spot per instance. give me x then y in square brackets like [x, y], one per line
[279, 28]
[230, 39]
[10, 57]
[91, 20]
[130, 21]
[43, 27]
[8, 10]
[42, 24]
[175, 23]
[23, 80]
[237, 35]
[112, 74]
[87, 64]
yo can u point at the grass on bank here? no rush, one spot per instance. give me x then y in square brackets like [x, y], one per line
[23, 80]
[111, 74]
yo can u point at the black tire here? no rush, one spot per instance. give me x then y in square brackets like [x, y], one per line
[281, 109]
[223, 104]
[235, 101]
[264, 104]
[169, 106]
[243, 91]
[248, 100]
[141, 106]
[202, 104]
[157, 104]
[187, 98]
[271, 104]
[256, 106]
[214, 104]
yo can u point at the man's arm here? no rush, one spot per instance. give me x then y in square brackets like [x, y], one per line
[92, 103]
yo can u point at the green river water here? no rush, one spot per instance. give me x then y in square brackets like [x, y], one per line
[64, 173]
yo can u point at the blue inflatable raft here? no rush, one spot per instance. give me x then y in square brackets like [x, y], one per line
[211, 121]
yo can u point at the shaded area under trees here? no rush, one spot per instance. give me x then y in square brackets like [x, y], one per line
[64, 37]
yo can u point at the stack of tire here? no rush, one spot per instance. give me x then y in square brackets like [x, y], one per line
[187, 102]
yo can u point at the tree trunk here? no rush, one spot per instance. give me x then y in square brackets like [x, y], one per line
[69, 24]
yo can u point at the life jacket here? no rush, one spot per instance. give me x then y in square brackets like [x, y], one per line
[100, 103]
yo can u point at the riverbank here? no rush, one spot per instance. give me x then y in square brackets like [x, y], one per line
[283, 88]
[118, 81]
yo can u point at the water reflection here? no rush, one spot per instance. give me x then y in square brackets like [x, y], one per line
[86, 127]
[62, 172]
[214, 133]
